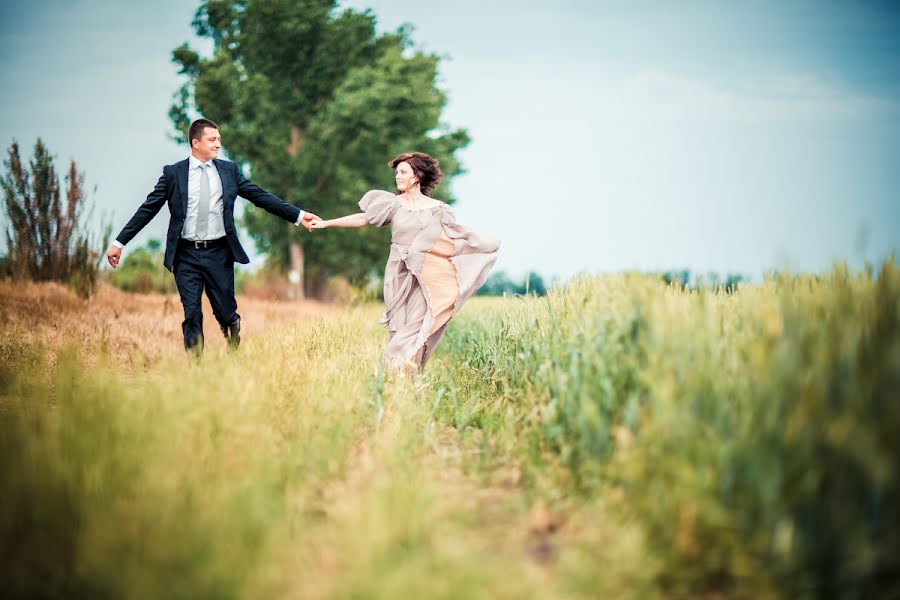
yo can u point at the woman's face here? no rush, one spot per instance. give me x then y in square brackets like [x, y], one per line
[404, 177]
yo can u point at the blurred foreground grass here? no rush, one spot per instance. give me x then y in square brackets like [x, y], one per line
[618, 438]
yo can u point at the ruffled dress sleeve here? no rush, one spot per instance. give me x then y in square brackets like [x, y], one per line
[379, 207]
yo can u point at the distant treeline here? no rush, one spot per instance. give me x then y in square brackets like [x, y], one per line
[711, 280]
[500, 284]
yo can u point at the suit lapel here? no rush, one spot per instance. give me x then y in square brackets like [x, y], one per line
[226, 179]
[182, 172]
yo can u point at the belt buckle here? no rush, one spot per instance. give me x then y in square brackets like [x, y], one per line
[198, 244]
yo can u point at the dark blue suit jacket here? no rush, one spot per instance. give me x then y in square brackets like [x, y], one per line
[172, 189]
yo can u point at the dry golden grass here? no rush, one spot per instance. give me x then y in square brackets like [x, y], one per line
[138, 330]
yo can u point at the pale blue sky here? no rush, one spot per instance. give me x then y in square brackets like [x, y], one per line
[725, 136]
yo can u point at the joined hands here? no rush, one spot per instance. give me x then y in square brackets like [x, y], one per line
[308, 220]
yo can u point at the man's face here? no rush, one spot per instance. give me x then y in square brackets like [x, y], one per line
[207, 146]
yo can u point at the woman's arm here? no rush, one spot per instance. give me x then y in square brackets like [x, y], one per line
[354, 220]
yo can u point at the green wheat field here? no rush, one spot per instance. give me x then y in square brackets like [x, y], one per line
[618, 438]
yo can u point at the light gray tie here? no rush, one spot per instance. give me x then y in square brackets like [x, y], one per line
[203, 204]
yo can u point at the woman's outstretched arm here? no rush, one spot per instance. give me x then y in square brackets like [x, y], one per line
[354, 220]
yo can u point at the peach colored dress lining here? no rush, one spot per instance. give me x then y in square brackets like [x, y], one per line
[439, 276]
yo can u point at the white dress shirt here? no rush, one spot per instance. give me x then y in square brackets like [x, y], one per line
[216, 228]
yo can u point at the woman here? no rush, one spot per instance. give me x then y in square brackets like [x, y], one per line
[434, 266]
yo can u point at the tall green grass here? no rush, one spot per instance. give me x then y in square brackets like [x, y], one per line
[754, 436]
[686, 444]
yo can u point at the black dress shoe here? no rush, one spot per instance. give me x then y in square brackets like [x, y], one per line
[232, 333]
[194, 349]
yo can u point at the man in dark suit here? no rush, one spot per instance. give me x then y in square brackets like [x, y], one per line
[202, 244]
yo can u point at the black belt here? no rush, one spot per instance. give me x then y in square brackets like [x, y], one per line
[202, 244]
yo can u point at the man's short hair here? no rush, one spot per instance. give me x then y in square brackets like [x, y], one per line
[197, 127]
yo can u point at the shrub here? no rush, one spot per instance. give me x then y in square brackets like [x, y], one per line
[142, 271]
[47, 239]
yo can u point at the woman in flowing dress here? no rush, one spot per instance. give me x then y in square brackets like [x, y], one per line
[435, 264]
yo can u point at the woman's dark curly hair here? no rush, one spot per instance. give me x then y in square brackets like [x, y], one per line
[426, 169]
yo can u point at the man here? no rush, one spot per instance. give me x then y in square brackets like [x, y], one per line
[202, 243]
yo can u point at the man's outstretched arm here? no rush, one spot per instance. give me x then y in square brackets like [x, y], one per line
[144, 215]
[271, 203]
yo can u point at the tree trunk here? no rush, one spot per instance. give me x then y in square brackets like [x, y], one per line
[296, 274]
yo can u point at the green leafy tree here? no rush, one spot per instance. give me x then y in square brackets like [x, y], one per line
[313, 103]
[47, 237]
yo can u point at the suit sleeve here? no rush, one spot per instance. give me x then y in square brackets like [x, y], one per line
[263, 199]
[145, 212]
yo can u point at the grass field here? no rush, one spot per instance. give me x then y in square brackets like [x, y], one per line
[615, 439]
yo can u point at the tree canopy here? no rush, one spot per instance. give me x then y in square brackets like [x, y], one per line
[313, 103]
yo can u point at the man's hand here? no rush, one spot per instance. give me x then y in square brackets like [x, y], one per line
[308, 219]
[113, 255]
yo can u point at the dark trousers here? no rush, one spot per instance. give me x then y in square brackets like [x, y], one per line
[212, 269]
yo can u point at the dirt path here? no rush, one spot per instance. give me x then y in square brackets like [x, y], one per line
[416, 481]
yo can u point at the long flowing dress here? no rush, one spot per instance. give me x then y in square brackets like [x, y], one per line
[434, 266]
